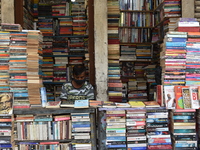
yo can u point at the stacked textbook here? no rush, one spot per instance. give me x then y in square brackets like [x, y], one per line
[158, 134]
[183, 128]
[81, 130]
[116, 129]
[136, 129]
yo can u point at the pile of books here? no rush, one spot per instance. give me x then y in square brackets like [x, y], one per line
[136, 129]
[183, 128]
[81, 130]
[157, 129]
[116, 129]
[173, 58]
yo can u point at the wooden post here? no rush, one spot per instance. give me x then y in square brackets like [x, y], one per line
[7, 11]
[101, 49]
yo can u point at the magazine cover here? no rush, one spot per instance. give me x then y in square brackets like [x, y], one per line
[6, 101]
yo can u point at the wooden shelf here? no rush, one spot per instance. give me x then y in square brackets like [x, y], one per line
[159, 6]
[164, 19]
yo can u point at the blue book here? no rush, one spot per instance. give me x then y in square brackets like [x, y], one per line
[43, 96]
[81, 103]
[116, 138]
[156, 120]
[174, 44]
[184, 130]
[184, 117]
[80, 125]
[116, 146]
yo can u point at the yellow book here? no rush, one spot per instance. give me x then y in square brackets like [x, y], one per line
[136, 104]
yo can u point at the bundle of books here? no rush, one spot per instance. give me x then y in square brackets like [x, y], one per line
[136, 129]
[157, 129]
[127, 52]
[192, 59]
[187, 25]
[5, 57]
[173, 60]
[34, 62]
[81, 129]
[116, 129]
[5, 131]
[172, 8]
[183, 128]
[65, 26]
[114, 49]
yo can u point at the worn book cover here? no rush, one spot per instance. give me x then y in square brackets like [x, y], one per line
[6, 100]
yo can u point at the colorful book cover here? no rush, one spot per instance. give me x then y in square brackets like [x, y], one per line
[179, 97]
[194, 97]
[169, 96]
[186, 98]
[6, 100]
[81, 103]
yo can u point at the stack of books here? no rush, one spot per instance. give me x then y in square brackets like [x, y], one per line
[81, 130]
[187, 25]
[136, 129]
[65, 26]
[127, 52]
[157, 129]
[192, 59]
[116, 129]
[173, 58]
[113, 49]
[5, 57]
[34, 62]
[172, 8]
[183, 128]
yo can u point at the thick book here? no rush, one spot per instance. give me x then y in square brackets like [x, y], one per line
[151, 104]
[67, 103]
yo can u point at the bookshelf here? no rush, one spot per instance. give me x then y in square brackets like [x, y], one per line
[24, 13]
[54, 112]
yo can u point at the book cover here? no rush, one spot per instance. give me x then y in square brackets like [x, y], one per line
[159, 95]
[169, 96]
[81, 103]
[194, 97]
[53, 104]
[178, 96]
[43, 96]
[186, 98]
[136, 104]
[6, 100]
[151, 104]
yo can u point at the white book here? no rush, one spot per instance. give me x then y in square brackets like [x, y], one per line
[194, 97]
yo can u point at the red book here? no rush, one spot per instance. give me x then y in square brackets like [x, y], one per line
[47, 143]
[188, 29]
[159, 95]
[178, 96]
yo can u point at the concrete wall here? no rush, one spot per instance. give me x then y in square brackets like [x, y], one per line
[188, 8]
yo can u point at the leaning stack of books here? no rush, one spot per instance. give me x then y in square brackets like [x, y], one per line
[183, 128]
[136, 129]
[157, 129]
[116, 129]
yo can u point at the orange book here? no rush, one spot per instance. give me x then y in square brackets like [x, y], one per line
[178, 96]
